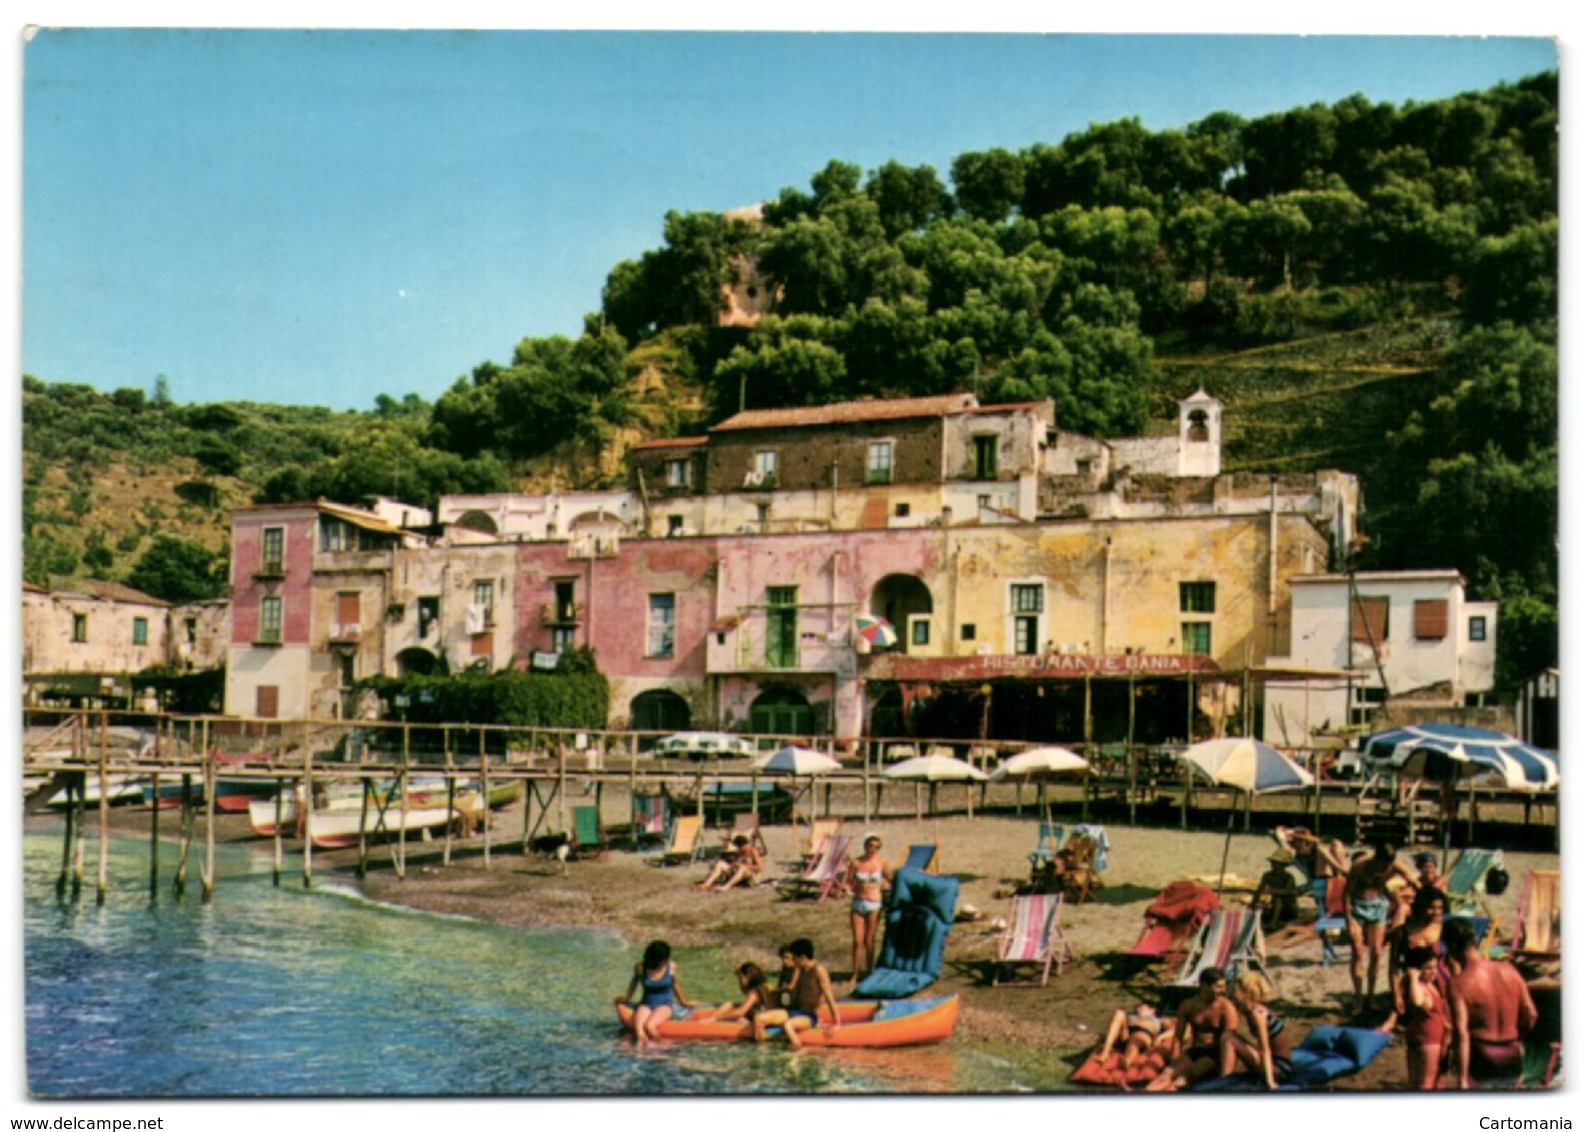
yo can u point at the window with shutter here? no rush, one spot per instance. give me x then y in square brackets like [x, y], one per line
[1429, 620]
[267, 701]
[1371, 619]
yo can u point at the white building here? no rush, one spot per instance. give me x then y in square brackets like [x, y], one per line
[1407, 636]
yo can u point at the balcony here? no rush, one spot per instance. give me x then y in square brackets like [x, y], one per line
[553, 614]
[271, 570]
[744, 650]
[345, 633]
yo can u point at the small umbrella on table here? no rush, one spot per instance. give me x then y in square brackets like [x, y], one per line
[797, 762]
[1247, 765]
[1040, 764]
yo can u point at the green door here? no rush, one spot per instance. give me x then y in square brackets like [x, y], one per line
[780, 627]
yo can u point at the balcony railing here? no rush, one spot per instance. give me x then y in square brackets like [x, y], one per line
[561, 613]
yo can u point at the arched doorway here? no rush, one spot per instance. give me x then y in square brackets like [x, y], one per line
[781, 711]
[898, 598]
[660, 710]
[479, 521]
[416, 662]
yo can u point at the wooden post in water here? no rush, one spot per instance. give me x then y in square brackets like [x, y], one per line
[64, 879]
[305, 813]
[452, 814]
[367, 785]
[153, 845]
[402, 784]
[210, 787]
[102, 880]
[78, 849]
[280, 817]
[483, 763]
[184, 843]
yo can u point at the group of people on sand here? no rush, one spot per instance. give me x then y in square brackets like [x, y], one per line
[802, 989]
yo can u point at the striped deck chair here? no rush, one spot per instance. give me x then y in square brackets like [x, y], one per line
[1231, 939]
[588, 835]
[1465, 881]
[924, 857]
[1538, 932]
[1034, 938]
[819, 835]
[683, 847]
[651, 814]
[822, 876]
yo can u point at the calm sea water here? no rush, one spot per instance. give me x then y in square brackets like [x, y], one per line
[290, 992]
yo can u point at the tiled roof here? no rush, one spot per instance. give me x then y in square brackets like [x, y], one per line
[103, 591]
[671, 442]
[850, 412]
[358, 518]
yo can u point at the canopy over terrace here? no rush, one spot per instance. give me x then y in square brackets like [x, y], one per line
[1129, 697]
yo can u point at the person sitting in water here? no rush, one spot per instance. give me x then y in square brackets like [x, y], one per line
[1277, 893]
[1368, 914]
[1269, 1054]
[756, 995]
[745, 864]
[1202, 1023]
[1491, 1012]
[1138, 1030]
[662, 993]
[810, 989]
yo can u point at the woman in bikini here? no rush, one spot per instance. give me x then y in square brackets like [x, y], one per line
[1138, 1030]
[1269, 1054]
[1368, 911]
[868, 877]
[662, 994]
[1422, 928]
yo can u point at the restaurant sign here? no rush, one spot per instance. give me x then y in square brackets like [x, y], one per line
[896, 666]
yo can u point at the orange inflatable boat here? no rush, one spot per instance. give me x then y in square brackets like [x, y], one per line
[913, 1022]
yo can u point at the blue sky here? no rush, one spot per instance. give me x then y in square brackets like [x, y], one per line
[320, 217]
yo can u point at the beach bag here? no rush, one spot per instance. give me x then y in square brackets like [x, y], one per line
[1496, 881]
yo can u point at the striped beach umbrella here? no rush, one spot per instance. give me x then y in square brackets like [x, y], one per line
[1438, 751]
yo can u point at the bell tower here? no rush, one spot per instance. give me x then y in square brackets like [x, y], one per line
[1198, 436]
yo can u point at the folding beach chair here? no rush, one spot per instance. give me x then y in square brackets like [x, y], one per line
[1080, 876]
[819, 836]
[683, 847]
[824, 875]
[1231, 939]
[744, 825]
[1171, 921]
[1044, 850]
[924, 858]
[651, 814]
[588, 835]
[1538, 932]
[1465, 880]
[1034, 938]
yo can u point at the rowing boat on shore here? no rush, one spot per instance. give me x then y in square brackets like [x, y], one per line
[907, 1022]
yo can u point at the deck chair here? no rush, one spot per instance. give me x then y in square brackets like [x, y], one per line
[1465, 880]
[1538, 932]
[588, 835]
[651, 814]
[745, 825]
[1044, 850]
[819, 835]
[1080, 876]
[1034, 938]
[1171, 921]
[822, 876]
[917, 921]
[923, 857]
[1233, 940]
[683, 847]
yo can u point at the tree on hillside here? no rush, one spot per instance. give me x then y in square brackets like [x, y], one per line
[178, 569]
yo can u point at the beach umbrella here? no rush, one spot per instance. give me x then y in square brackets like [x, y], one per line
[797, 762]
[1247, 765]
[1442, 751]
[1039, 764]
[702, 744]
[935, 769]
[875, 630]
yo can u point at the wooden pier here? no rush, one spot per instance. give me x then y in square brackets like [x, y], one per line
[81, 754]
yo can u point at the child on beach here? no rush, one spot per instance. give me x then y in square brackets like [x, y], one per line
[756, 995]
[662, 993]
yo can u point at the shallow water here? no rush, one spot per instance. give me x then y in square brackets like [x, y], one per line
[290, 992]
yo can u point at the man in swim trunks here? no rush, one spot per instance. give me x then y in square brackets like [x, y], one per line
[1368, 911]
[1491, 1010]
[1203, 1024]
[810, 989]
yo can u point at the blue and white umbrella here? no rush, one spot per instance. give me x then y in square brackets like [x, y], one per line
[1450, 750]
[1247, 765]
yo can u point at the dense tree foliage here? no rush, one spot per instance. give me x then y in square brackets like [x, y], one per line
[178, 569]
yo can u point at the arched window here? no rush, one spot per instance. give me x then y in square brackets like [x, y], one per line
[660, 710]
[1198, 426]
[781, 711]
